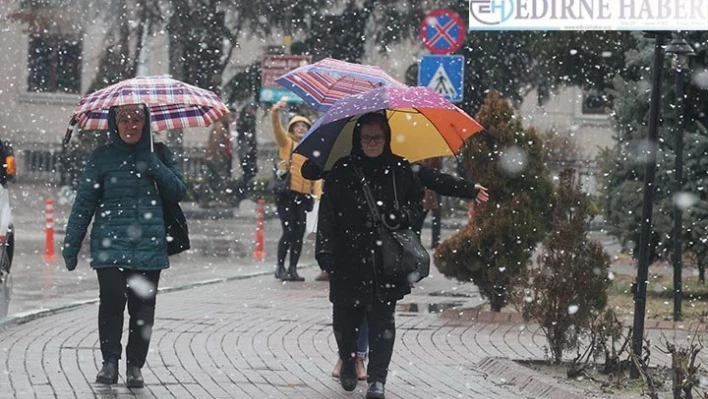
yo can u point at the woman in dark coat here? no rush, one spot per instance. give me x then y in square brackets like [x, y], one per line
[121, 189]
[347, 246]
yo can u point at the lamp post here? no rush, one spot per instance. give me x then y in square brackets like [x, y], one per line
[681, 52]
[640, 285]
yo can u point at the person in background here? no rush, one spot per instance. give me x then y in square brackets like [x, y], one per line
[347, 246]
[219, 158]
[246, 148]
[293, 204]
[120, 189]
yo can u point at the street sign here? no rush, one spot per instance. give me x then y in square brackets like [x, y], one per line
[272, 67]
[444, 74]
[442, 31]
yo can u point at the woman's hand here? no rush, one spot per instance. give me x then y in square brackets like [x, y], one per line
[280, 104]
[482, 194]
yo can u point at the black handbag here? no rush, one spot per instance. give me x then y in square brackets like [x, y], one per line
[280, 183]
[403, 256]
[176, 229]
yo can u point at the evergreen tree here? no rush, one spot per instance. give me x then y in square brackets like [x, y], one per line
[623, 166]
[570, 286]
[494, 250]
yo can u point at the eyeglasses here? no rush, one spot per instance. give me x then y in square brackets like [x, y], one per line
[372, 139]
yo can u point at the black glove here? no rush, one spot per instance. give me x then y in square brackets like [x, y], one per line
[326, 261]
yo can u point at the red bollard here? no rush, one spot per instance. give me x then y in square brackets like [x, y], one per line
[259, 251]
[49, 236]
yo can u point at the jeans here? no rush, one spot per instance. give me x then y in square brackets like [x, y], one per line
[362, 344]
[138, 289]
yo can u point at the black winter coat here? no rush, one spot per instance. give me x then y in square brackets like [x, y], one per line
[346, 236]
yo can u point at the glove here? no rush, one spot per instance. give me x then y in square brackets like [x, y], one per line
[153, 164]
[71, 261]
[326, 261]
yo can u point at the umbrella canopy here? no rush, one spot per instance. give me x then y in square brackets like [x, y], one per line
[423, 125]
[325, 82]
[173, 104]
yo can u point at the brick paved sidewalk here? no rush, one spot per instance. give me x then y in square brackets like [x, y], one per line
[259, 338]
[250, 338]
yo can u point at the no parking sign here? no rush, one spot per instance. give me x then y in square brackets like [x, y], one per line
[442, 31]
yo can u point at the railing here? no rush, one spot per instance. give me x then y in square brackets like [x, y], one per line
[45, 162]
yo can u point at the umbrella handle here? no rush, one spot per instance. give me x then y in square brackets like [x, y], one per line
[69, 131]
[149, 123]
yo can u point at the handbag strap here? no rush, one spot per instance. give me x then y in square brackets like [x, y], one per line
[378, 219]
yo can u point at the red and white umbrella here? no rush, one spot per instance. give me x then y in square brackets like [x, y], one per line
[173, 104]
[325, 82]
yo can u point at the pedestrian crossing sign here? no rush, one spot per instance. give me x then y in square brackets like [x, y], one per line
[443, 74]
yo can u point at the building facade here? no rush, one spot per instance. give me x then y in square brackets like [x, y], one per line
[49, 64]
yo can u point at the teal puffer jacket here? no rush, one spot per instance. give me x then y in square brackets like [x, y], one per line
[120, 188]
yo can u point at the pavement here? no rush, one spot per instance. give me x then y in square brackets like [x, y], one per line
[225, 328]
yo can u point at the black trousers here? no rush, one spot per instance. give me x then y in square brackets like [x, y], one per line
[346, 322]
[138, 289]
[292, 211]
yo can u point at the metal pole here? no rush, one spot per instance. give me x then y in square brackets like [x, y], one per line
[640, 285]
[435, 229]
[678, 212]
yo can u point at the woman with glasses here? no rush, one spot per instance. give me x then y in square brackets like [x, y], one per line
[347, 246]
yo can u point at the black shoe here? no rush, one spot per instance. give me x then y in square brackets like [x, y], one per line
[280, 272]
[347, 377]
[109, 372]
[292, 275]
[376, 391]
[134, 377]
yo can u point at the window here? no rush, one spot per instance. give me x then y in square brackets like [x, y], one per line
[54, 64]
[594, 102]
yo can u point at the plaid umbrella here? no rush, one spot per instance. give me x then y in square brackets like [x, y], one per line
[325, 82]
[173, 104]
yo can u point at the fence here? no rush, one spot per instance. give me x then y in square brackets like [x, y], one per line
[47, 163]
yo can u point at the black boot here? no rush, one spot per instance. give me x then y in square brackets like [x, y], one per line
[109, 372]
[280, 272]
[292, 275]
[376, 391]
[347, 376]
[134, 377]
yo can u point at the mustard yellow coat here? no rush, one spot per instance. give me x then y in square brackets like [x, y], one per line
[286, 142]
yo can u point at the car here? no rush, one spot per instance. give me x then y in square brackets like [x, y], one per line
[7, 235]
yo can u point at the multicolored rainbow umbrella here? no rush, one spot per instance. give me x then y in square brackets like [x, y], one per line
[423, 125]
[325, 82]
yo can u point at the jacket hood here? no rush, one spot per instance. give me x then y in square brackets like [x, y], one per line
[298, 118]
[143, 143]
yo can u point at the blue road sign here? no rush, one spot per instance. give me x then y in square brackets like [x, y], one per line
[444, 74]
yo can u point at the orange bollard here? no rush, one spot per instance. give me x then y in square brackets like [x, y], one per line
[259, 251]
[49, 241]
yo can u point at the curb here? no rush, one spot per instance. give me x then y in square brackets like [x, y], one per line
[27, 316]
[507, 371]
